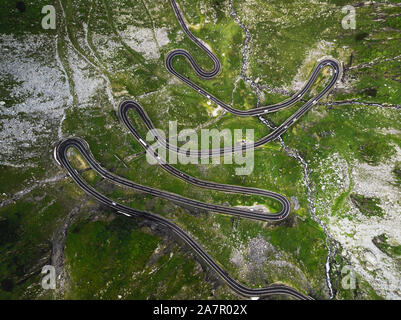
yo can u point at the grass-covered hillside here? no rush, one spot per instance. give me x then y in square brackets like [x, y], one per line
[339, 164]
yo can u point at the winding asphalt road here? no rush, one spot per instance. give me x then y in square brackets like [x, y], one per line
[60, 154]
[81, 145]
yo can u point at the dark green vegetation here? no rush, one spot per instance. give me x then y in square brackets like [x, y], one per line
[397, 173]
[18, 17]
[382, 243]
[367, 206]
[108, 257]
[120, 260]
[26, 229]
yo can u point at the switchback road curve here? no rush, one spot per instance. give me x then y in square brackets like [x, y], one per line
[216, 69]
[61, 157]
[60, 154]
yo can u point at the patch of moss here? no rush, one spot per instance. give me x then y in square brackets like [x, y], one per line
[367, 206]
[397, 173]
[381, 242]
